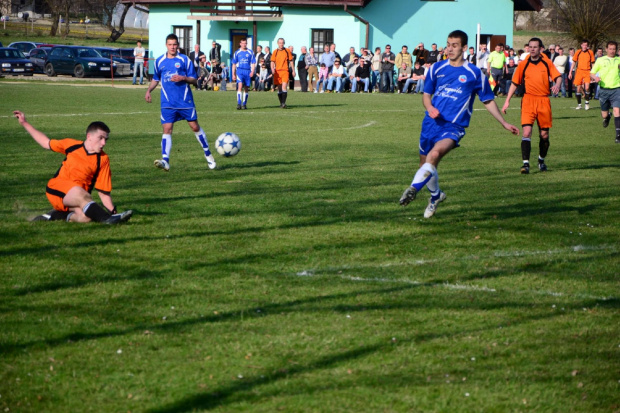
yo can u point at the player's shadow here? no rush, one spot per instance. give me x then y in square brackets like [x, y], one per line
[289, 107]
[602, 166]
[256, 165]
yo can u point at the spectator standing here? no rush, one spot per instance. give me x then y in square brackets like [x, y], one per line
[525, 53]
[312, 68]
[332, 49]
[138, 53]
[195, 56]
[433, 55]
[404, 57]
[560, 63]
[215, 52]
[259, 55]
[347, 60]
[376, 69]
[471, 56]
[203, 73]
[482, 58]
[267, 57]
[328, 59]
[570, 69]
[291, 70]
[387, 70]
[496, 65]
[301, 69]
[421, 54]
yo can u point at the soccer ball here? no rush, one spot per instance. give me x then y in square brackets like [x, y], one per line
[228, 144]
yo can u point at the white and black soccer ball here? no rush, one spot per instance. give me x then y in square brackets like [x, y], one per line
[228, 144]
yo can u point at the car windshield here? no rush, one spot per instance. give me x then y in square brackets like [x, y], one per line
[87, 52]
[11, 54]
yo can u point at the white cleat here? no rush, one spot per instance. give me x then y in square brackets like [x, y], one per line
[211, 161]
[587, 106]
[162, 164]
[578, 106]
[432, 205]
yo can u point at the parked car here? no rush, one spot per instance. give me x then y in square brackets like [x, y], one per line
[24, 47]
[123, 67]
[38, 57]
[78, 61]
[128, 55]
[13, 62]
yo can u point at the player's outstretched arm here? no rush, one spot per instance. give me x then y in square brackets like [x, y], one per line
[491, 106]
[511, 92]
[432, 110]
[38, 136]
[106, 200]
[151, 87]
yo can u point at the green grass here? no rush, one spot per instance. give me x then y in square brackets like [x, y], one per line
[289, 279]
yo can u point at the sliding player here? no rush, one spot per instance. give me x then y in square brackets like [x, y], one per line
[243, 66]
[534, 72]
[606, 70]
[176, 72]
[584, 59]
[86, 167]
[449, 92]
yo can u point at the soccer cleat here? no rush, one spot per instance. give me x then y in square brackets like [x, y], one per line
[42, 217]
[617, 139]
[118, 218]
[606, 121]
[244, 107]
[283, 106]
[431, 208]
[408, 196]
[542, 167]
[211, 161]
[587, 106]
[525, 169]
[162, 164]
[239, 106]
[578, 106]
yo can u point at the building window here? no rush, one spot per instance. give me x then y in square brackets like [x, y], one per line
[184, 33]
[320, 38]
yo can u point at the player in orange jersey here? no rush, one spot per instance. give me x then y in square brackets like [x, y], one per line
[584, 58]
[281, 62]
[534, 73]
[86, 167]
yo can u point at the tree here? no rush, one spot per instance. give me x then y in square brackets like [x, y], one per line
[105, 10]
[593, 20]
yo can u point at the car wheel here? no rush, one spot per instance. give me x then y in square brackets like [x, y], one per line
[49, 70]
[78, 71]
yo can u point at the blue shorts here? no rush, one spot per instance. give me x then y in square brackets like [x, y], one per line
[243, 77]
[434, 131]
[169, 115]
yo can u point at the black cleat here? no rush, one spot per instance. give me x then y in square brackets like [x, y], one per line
[525, 169]
[119, 218]
[606, 121]
[42, 217]
[618, 139]
[239, 107]
[53, 215]
[408, 196]
[283, 106]
[244, 107]
[542, 166]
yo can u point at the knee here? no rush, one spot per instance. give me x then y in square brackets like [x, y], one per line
[544, 134]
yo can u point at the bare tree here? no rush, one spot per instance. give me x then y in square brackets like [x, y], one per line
[594, 20]
[105, 10]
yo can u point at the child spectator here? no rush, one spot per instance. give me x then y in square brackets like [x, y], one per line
[322, 78]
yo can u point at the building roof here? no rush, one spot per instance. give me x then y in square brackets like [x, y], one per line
[528, 5]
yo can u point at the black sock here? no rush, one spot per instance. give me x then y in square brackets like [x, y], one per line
[93, 211]
[543, 146]
[58, 215]
[617, 123]
[284, 95]
[526, 148]
[578, 98]
[280, 97]
[587, 97]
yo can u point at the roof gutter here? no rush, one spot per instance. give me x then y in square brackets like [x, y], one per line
[363, 21]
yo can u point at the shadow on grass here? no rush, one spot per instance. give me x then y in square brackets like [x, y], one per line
[289, 107]
[256, 165]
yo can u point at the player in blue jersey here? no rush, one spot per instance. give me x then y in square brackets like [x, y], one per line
[243, 65]
[449, 92]
[176, 72]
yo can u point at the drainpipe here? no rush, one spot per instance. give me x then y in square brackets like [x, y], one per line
[362, 20]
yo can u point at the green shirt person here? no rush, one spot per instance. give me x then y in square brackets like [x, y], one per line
[606, 71]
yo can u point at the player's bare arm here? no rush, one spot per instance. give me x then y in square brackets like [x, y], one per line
[556, 87]
[511, 92]
[37, 135]
[151, 87]
[106, 200]
[432, 110]
[492, 108]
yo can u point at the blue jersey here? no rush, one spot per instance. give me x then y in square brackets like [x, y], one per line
[244, 59]
[175, 95]
[454, 89]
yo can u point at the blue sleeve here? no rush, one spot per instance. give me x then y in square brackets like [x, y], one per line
[156, 71]
[431, 81]
[234, 59]
[253, 60]
[191, 70]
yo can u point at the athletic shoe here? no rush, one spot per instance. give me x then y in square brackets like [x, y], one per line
[42, 217]
[617, 139]
[162, 164]
[211, 161]
[283, 106]
[606, 121]
[316, 91]
[239, 107]
[578, 106]
[408, 196]
[431, 208]
[118, 218]
[587, 106]
[525, 169]
[244, 107]
[542, 166]
[322, 91]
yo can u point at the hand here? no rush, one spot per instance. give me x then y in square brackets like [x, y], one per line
[555, 88]
[21, 117]
[512, 128]
[178, 78]
[234, 78]
[147, 97]
[506, 105]
[433, 112]
[570, 75]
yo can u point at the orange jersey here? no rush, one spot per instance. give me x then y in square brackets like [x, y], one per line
[281, 58]
[534, 75]
[584, 60]
[86, 170]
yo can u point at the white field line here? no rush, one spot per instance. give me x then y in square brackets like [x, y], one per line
[464, 287]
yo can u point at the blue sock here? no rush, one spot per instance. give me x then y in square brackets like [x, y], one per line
[238, 98]
[166, 146]
[423, 176]
[202, 138]
[245, 97]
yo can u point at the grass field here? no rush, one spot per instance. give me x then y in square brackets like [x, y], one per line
[289, 279]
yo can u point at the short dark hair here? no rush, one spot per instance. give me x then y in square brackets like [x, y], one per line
[536, 39]
[585, 41]
[459, 34]
[172, 36]
[97, 125]
[612, 42]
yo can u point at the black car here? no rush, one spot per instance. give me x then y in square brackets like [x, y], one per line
[13, 62]
[79, 61]
[128, 55]
[25, 47]
[123, 67]
[38, 57]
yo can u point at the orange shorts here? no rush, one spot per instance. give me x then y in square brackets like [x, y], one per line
[536, 108]
[280, 77]
[56, 191]
[581, 77]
